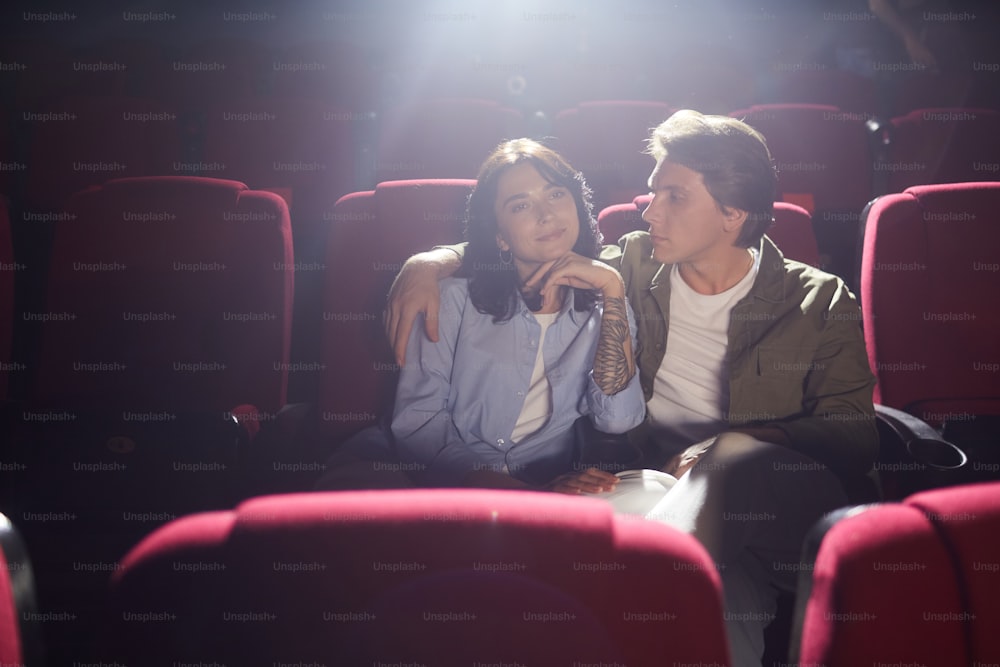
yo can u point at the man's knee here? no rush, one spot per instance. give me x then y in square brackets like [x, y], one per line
[734, 454]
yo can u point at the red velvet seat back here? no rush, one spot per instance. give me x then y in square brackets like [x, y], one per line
[443, 577]
[879, 582]
[821, 153]
[929, 281]
[967, 519]
[168, 293]
[910, 583]
[370, 234]
[824, 164]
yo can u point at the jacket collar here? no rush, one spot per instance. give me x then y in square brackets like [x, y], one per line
[770, 282]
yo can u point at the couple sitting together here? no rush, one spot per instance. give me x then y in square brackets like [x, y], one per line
[740, 374]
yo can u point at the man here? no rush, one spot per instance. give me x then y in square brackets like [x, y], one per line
[759, 395]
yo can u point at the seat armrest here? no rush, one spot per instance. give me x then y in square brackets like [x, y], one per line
[924, 444]
[914, 457]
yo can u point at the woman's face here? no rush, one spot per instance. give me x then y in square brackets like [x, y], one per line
[536, 220]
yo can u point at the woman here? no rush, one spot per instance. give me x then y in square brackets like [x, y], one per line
[493, 402]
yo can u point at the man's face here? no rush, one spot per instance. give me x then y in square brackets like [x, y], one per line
[685, 222]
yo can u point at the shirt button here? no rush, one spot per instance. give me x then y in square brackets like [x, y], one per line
[500, 442]
[520, 393]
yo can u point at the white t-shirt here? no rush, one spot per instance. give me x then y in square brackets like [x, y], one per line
[537, 402]
[690, 399]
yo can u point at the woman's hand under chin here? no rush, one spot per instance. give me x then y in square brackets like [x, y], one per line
[573, 270]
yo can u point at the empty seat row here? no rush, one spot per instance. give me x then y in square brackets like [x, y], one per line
[828, 159]
[829, 162]
[291, 146]
[163, 338]
[272, 582]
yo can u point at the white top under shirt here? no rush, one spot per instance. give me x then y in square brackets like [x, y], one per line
[690, 398]
[537, 402]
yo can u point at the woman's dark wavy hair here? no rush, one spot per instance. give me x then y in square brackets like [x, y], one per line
[493, 285]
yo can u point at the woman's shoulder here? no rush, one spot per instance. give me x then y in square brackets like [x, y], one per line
[454, 293]
[455, 288]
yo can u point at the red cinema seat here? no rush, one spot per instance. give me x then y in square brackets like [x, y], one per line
[792, 229]
[304, 150]
[619, 219]
[605, 140]
[167, 294]
[929, 283]
[370, 235]
[824, 164]
[967, 521]
[942, 145]
[160, 351]
[909, 583]
[20, 637]
[78, 142]
[441, 138]
[434, 577]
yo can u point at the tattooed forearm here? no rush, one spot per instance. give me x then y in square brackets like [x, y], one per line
[614, 364]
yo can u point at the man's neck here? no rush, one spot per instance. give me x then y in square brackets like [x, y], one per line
[718, 273]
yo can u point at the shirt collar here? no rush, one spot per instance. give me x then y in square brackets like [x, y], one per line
[770, 281]
[568, 306]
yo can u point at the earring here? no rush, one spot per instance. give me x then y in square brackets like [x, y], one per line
[509, 259]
